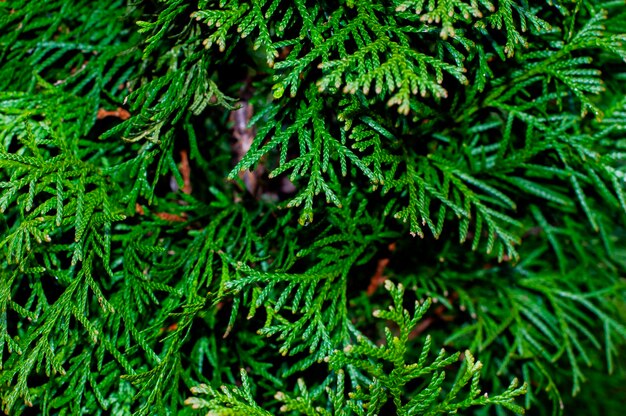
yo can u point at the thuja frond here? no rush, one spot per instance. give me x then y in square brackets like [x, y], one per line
[321, 149]
[308, 311]
[543, 319]
[367, 358]
[452, 184]
[446, 13]
[227, 400]
[373, 384]
[92, 54]
[61, 190]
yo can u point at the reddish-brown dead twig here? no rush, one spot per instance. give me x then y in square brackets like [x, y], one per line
[185, 172]
[119, 113]
[172, 327]
[166, 216]
[378, 278]
[171, 217]
[438, 314]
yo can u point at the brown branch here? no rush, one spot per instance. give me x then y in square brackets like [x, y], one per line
[171, 217]
[378, 278]
[119, 113]
[185, 172]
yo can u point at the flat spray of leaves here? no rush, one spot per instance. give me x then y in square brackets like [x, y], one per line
[372, 384]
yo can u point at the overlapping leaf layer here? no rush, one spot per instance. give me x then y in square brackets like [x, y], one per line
[288, 206]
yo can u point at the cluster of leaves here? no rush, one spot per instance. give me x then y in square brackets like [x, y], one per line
[372, 383]
[135, 265]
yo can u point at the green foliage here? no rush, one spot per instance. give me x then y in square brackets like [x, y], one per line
[372, 384]
[207, 195]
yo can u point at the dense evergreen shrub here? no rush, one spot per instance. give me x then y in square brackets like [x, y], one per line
[267, 206]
